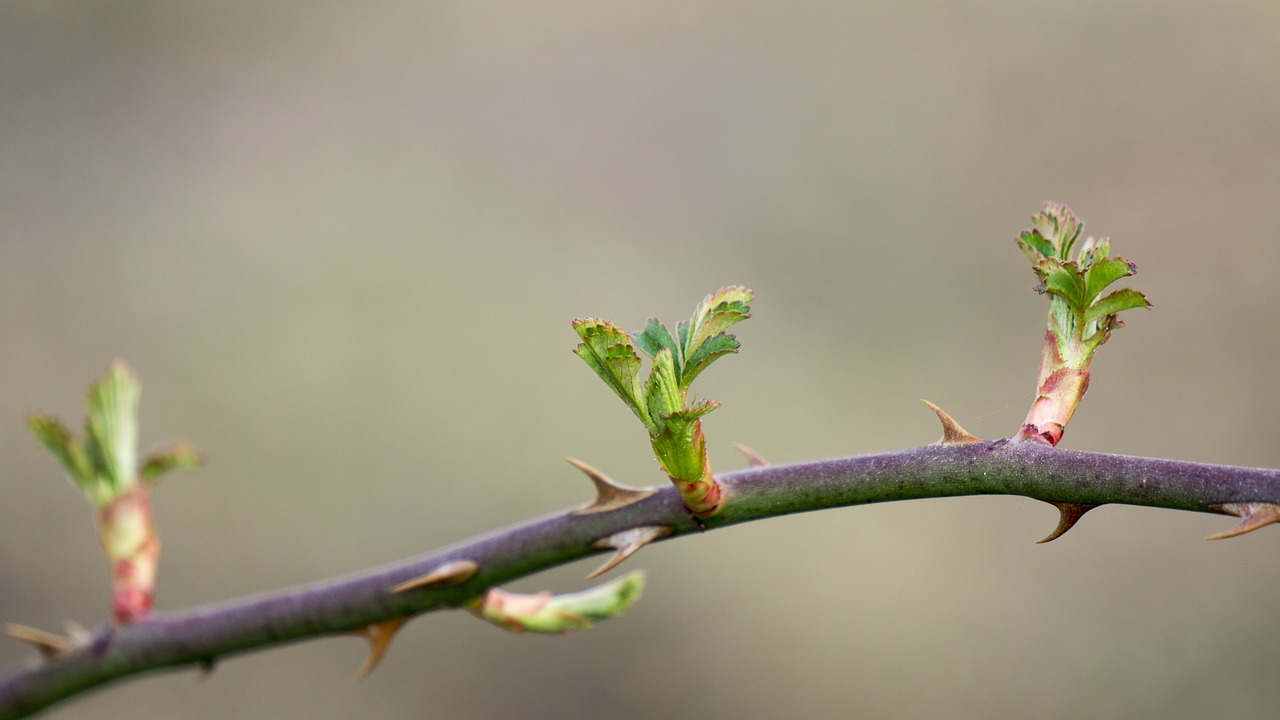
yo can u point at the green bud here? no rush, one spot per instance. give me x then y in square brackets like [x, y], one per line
[662, 402]
[554, 614]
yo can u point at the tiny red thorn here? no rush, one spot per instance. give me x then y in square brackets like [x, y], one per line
[754, 459]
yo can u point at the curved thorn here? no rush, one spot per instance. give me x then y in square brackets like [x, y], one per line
[379, 635]
[49, 645]
[1068, 515]
[1252, 516]
[609, 494]
[447, 575]
[952, 433]
[626, 543]
[753, 458]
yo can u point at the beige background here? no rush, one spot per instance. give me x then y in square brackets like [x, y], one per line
[342, 243]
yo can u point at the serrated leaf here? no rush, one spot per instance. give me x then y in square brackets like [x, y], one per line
[1118, 301]
[717, 312]
[1094, 249]
[707, 352]
[608, 351]
[694, 411]
[1064, 280]
[655, 337]
[64, 447]
[1057, 224]
[662, 390]
[181, 456]
[1035, 246]
[112, 426]
[1102, 272]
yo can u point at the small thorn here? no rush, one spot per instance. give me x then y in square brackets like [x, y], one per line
[379, 635]
[78, 633]
[1252, 516]
[609, 494]
[753, 458]
[207, 666]
[626, 543]
[49, 645]
[447, 575]
[1068, 515]
[952, 433]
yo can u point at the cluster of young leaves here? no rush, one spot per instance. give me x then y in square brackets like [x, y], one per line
[1081, 317]
[106, 463]
[675, 360]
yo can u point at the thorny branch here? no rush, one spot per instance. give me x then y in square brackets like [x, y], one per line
[1074, 271]
[455, 576]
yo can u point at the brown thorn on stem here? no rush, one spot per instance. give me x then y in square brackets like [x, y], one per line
[379, 635]
[754, 460]
[1252, 516]
[609, 494]
[626, 543]
[952, 433]
[447, 575]
[49, 645]
[1068, 515]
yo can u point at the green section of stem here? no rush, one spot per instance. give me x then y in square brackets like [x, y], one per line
[662, 401]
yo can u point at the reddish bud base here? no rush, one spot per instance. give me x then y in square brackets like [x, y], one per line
[701, 497]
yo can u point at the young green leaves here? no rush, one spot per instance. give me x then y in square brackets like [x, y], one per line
[662, 401]
[555, 614]
[607, 349]
[106, 468]
[1081, 317]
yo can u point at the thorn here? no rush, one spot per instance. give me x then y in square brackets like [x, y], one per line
[1252, 516]
[1068, 515]
[207, 666]
[77, 633]
[379, 635]
[753, 458]
[626, 543]
[49, 645]
[952, 433]
[447, 575]
[609, 494]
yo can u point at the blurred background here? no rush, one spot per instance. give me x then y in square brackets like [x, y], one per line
[341, 244]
